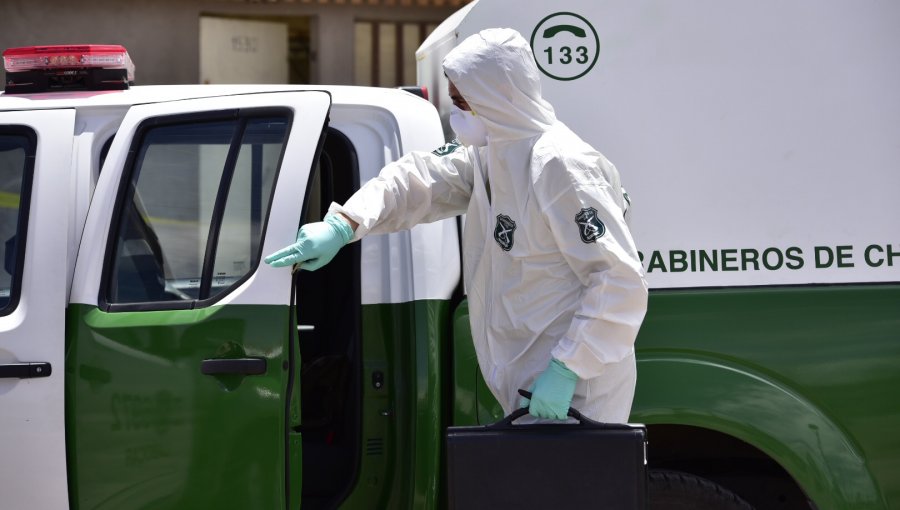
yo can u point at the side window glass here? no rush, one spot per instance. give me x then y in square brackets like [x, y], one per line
[17, 151]
[248, 200]
[198, 192]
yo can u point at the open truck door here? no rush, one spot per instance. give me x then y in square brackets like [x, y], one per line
[180, 337]
[34, 188]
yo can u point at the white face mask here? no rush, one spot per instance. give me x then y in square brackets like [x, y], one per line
[469, 129]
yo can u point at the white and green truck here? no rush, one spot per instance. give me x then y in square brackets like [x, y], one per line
[148, 360]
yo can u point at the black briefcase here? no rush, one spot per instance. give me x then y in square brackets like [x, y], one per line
[547, 465]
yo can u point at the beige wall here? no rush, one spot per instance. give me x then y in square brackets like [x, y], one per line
[162, 36]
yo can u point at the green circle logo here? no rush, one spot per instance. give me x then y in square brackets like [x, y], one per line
[565, 46]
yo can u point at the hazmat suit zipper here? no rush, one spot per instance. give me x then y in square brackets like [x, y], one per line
[487, 252]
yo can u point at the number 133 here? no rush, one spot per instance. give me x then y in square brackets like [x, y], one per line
[582, 55]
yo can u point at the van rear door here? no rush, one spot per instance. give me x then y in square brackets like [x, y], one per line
[35, 173]
[180, 368]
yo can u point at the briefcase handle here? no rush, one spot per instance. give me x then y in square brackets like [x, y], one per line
[522, 411]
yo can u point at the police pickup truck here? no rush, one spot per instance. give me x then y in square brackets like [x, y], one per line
[148, 359]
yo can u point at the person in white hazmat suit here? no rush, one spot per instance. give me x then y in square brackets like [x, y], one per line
[556, 291]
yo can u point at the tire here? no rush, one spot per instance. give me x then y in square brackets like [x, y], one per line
[675, 490]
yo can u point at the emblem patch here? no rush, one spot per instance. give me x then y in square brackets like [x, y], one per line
[589, 225]
[447, 148]
[503, 232]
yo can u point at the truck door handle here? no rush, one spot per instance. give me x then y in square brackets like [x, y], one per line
[25, 370]
[236, 366]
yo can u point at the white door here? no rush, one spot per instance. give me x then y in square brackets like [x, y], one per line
[243, 51]
[35, 173]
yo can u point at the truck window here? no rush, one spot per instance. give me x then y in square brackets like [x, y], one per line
[194, 204]
[17, 150]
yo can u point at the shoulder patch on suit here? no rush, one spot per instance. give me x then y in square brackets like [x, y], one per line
[589, 225]
[503, 232]
[448, 148]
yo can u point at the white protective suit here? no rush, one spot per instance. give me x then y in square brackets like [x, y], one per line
[549, 264]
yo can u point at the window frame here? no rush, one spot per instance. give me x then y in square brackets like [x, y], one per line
[242, 116]
[24, 212]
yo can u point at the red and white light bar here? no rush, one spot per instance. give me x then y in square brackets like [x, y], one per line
[38, 68]
[33, 58]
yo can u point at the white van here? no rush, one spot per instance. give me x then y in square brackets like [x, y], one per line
[760, 145]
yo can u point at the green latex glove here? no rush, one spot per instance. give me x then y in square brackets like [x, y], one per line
[551, 393]
[317, 243]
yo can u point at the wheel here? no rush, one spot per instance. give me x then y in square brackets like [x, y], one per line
[675, 490]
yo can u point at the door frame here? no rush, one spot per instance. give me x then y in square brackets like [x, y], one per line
[32, 408]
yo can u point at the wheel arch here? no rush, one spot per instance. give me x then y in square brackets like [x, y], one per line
[723, 397]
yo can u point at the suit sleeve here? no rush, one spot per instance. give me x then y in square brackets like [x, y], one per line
[420, 187]
[583, 206]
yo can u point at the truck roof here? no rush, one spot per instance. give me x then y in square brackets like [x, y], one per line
[349, 95]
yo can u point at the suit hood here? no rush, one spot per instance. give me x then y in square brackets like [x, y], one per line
[496, 73]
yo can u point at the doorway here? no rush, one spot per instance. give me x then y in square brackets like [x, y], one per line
[255, 49]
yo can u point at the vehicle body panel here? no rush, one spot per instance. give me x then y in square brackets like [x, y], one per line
[32, 329]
